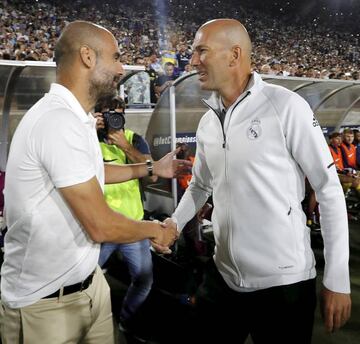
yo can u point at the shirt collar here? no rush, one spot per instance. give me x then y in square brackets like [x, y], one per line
[64, 93]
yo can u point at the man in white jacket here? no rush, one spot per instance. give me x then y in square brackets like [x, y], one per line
[255, 146]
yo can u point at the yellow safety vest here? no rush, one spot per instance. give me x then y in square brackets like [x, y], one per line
[125, 197]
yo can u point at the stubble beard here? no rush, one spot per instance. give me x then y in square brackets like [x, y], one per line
[102, 85]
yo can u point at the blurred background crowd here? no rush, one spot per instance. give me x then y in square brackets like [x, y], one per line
[316, 39]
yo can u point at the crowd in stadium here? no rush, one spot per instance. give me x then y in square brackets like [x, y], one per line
[241, 170]
[286, 42]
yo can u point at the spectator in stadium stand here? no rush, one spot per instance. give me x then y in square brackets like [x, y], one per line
[155, 64]
[137, 87]
[263, 269]
[348, 149]
[168, 55]
[347, 179]
[52, 290]
[152, 75]
[334, 146]
[188, 69]
[183, 57]
[36, 23]
[162, 82]
[357, 145]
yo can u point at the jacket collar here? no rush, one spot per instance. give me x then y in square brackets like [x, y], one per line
[254, 86]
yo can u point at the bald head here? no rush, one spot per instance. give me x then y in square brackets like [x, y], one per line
[230, 32]
[222, 58]
[88, 62]
[74, 36]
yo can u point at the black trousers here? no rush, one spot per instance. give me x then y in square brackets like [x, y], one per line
[283, 314]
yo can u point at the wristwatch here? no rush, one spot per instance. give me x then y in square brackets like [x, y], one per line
[150, 167]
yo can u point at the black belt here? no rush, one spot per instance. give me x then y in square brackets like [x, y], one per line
[69, 289]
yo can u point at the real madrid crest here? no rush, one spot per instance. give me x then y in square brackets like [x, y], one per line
[254, 131]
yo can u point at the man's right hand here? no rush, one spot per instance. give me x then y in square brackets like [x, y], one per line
[168, 234]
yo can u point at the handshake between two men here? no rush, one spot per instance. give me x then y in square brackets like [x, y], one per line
[168, 234]
[108, 225]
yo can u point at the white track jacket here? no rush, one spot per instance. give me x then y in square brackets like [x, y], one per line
[255, 168]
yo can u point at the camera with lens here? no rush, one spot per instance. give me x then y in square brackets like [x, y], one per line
[113, 120]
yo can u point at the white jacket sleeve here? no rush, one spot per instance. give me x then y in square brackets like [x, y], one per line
[309, 149]
[198, 190]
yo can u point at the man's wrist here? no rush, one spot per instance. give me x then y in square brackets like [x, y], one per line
[174, 220]
[158, 232]
[149, 167]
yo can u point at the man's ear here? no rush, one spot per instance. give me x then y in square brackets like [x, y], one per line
[88, 56]
[235, 55]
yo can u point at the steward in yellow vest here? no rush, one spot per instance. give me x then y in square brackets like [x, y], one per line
[122, 197]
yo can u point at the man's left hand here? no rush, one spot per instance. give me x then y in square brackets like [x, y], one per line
[118, 138]
[335, 309]
[168, 167]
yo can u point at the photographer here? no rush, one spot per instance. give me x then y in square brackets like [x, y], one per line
[122, 146]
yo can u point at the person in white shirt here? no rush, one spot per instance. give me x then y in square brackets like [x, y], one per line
[51, 288]
[255, 145]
